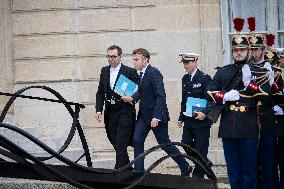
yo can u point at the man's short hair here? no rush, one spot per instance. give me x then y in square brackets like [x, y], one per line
[143, 52]
[113, 47]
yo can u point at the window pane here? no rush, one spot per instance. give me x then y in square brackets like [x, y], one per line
[249, 8]
[281, 39]
[281, 14]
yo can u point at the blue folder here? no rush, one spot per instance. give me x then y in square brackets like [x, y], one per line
[125, 86]
[194, 105]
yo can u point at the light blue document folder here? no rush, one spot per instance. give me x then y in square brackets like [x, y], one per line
[125, 86]
[194, 105]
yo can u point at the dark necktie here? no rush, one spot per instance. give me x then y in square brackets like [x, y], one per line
[189, 76]
[140, 76]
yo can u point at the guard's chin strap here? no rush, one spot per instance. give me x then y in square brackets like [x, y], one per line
[262, 56]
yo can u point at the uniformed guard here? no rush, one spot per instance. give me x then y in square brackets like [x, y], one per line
[196, 130]
[266, 147]
[276, 56]
[233, 88]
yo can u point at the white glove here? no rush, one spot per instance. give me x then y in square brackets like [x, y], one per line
[246, 74]
[270, 73]
[278, 110]
[232, 95]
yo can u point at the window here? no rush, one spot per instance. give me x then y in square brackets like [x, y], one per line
[249, 8]
[269, 16]
[281, 23]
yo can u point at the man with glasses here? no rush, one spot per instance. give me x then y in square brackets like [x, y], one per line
[119, 116]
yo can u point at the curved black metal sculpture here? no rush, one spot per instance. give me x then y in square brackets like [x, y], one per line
[27, 165]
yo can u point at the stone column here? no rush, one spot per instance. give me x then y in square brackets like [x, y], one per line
[6, 56]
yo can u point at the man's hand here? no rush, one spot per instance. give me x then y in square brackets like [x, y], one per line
[154, 122]
[127, 99]
[99, 116]
[179, 124]
[200, 116]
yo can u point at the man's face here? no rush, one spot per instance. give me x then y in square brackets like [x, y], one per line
[139, 61]
[257, 53]
[113, 58]
[190, 66]
[240, 54]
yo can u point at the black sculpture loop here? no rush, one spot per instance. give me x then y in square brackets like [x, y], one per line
[37, 165]
[74, 115]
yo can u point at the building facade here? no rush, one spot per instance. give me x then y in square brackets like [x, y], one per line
[62, 44]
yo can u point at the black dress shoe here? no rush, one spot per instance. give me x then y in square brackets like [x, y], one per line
[187, 172]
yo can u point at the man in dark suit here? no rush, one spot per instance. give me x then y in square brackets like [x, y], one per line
[196, 130]
[119, 116]
[153, 112]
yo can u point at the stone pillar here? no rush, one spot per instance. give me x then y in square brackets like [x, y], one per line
[6, 49]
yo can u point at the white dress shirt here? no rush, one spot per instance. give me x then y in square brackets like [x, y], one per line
[113, 75]
[192, 74]
[143, 71]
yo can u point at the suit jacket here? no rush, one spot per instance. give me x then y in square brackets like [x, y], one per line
[197, 88]
[152, 96]
[105, 94]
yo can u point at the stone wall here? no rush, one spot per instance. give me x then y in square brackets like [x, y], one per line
[62, 44]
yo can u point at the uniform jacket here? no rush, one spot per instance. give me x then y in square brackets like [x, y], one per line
[197, 88]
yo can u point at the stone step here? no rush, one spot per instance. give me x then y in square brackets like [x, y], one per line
[71, 154]
[104, 164]
[54, 143]
[215, 144]
[16, 136]
[10, 119]
[223, 186]
[13, 183]
[219, 170]
[216, 156]
[29, 146]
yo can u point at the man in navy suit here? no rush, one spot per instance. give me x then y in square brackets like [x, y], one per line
[153, 112]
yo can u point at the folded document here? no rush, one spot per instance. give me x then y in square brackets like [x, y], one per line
[125, 86]
[194, 105]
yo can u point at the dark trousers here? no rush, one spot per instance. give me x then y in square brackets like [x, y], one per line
[120, 130]
[278, 169]
[240, 156]
[266, 151]
[197, 138]
[161, 133]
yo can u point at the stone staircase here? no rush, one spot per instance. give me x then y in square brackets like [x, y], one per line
[99, 159]
[26, 144]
